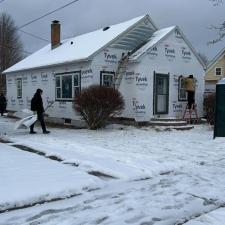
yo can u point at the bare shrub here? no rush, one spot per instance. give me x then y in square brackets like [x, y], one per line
[209, 107]
[97, 104]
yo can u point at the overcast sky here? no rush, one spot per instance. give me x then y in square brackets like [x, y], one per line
[192, 16]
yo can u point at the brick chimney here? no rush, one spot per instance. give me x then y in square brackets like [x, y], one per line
[55, 34]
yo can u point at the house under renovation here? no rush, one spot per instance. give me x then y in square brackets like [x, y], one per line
[144, 63]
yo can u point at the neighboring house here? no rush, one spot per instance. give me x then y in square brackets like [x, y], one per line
[144, 63]
[215, 72]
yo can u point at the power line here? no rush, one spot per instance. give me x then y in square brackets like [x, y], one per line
[47, 14]
[33, 35]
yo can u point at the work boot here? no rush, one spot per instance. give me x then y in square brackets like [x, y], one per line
[33, 132]
[46, 132]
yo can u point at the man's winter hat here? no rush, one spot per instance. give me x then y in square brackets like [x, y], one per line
[39, 91]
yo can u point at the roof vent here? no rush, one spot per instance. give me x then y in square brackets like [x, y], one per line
[105, 28]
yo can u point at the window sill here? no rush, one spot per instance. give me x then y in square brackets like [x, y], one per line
[64, 100]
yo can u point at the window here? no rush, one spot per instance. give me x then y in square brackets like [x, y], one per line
[107, 79]
[218, 71]
[19, 87]
[67, 85]
[76, 85]
[182, 94]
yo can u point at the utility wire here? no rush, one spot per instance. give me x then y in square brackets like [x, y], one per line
[33, 35]
[47, 14]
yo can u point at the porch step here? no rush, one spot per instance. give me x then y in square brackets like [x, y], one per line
[169, 128]
[170, 124]
[166, 119]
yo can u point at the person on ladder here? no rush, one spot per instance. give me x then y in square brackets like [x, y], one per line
[190, 85]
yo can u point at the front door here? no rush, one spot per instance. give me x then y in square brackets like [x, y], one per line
[161, 94]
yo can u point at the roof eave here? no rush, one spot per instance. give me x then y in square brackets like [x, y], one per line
[52, 65]
[126, 31]
[215, 59]
[138, 59]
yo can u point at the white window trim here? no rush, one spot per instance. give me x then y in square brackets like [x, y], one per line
[107, 73]
[220, 69]
[179, 85]
[60, 75]
[19, 79]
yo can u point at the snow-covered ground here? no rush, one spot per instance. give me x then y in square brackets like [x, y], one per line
[154, 178]
[28, 178]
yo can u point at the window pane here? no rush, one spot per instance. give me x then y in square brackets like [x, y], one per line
[67, 87]
[18, 83]
[19, 93]
[76, 80]
[76, 91]
[57, 81]
[182, 83]
[182, 94]
[58, 92]
[108, 80]
[218, 71]
[161, 86]
[19, 88]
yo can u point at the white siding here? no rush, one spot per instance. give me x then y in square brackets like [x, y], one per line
[136, 86]
[44, 79]
[175, 64]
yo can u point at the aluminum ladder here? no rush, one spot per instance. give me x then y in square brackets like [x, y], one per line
[189, 111]
[121, 70]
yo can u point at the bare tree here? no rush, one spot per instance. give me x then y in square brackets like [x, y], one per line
[11, 48]
[216, 2]
[220, 29]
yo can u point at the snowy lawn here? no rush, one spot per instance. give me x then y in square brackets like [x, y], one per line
[27, 178]
[216, 217]
[163, 178]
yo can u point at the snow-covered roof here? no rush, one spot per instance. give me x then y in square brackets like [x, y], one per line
[84, 46]
[156, 37]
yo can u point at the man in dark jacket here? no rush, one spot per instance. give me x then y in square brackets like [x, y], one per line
[3, 104]
[37, 106]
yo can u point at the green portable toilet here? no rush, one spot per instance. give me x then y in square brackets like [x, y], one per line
[219, 126]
